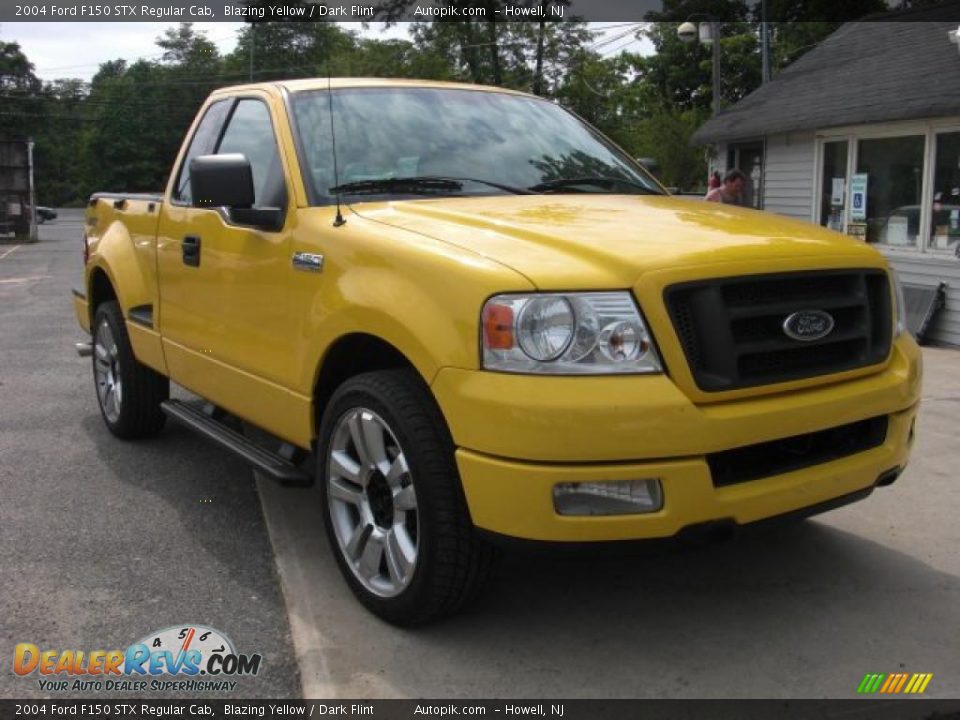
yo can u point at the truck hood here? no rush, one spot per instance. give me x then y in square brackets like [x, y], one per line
[604, 241]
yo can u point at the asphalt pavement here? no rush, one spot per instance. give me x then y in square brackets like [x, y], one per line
[102, 541]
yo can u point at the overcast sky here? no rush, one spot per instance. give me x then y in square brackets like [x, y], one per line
[60, 50]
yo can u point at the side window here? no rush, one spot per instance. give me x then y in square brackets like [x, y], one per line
[250, 132]
[203, 142]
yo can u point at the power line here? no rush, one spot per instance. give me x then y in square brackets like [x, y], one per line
[618, 49]
[634, 27]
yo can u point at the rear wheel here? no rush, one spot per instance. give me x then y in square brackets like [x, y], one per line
[394, 510]
[129, 393]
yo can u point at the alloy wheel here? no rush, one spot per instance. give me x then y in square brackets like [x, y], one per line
[372, 502]
[106, 368]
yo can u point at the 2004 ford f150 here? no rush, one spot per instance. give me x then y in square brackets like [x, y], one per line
[483, 319]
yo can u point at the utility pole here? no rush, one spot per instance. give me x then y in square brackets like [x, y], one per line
[708, 33]
[33, 192]
[715, 32]
[764, 43]
[253, 36]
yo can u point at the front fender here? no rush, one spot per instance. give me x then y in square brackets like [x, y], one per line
[420, 295]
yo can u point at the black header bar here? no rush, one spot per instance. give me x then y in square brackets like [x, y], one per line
[452, 11]
[133, 709]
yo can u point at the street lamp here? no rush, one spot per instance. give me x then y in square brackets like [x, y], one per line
[708, 33]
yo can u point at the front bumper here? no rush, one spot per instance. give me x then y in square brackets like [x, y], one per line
[519, 435]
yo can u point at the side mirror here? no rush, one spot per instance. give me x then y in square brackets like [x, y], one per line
[227, 181]
[221, 181]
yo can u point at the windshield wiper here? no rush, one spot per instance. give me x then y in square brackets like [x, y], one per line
[499, 186]
[414, 185]
[422, 184]
[597, 180]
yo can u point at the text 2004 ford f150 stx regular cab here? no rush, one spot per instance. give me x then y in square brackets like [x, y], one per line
[483, 319]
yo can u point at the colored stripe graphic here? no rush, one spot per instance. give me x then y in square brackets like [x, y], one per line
[926, 682]
[895, 683]
[871, 682]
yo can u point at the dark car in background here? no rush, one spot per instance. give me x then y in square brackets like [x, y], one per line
[45, 213]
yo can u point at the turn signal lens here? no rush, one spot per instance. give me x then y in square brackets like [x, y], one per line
[497, 327]
[900, 305]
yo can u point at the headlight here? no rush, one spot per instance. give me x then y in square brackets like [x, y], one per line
[900, 306]
[590, 333]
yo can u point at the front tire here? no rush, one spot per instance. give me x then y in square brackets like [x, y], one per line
[128, 392]
[394, 510]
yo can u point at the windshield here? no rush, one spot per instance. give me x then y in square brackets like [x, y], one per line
[489, 142]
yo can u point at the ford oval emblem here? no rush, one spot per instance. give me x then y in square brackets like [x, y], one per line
[808, 325]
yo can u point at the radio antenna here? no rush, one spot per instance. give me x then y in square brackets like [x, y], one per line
[338, 220]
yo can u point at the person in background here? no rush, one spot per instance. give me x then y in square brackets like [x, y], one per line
[714, 181]
[731, 191]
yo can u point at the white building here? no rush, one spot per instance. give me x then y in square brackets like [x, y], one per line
[876, 104]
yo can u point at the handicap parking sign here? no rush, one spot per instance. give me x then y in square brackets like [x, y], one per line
[858, 197]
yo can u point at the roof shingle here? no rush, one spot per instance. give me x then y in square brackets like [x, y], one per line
[864, 72]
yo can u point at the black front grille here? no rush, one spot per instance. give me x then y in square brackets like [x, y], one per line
[795, 453]
[731, 329]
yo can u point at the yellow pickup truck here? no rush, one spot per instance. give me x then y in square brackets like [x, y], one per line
[481, 319]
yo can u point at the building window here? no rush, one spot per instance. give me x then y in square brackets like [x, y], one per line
[945, 215]
[894, 169]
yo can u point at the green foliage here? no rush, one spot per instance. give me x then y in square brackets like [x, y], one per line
[288, 50]
[665, 135]
[18, 88]
[534, 57]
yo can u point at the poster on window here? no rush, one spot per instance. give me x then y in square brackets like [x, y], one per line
[858, 196]
[836, 191]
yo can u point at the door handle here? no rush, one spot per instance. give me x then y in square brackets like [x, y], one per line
[191, 250]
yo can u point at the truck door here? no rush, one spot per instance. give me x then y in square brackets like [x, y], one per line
[225, 314]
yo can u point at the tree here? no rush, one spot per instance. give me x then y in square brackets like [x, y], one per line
[186, 48]
[394, 58]
[523, 55]
[681, 73]
[16, 71]
[603, 92]
[59, 135]
[288, 50]
[18, 89]
[664, 135]
[121, 143]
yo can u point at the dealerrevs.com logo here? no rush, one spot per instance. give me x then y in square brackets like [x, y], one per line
[187, 657]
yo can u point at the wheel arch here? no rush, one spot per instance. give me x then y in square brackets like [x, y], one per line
[100, 289]
[350, 355]
[117, 264]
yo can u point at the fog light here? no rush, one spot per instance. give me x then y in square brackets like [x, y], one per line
[616, 497]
